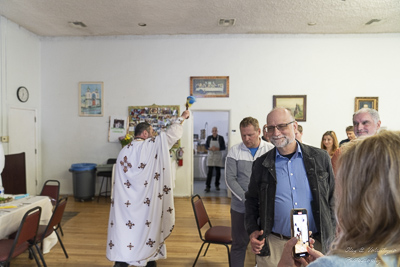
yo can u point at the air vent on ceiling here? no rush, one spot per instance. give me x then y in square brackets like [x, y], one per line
[77, 24]
[372, 21]
[226, 22]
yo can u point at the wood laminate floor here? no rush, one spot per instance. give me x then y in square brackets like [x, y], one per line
[85, 236]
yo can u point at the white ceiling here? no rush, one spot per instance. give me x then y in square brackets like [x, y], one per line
[122, 17]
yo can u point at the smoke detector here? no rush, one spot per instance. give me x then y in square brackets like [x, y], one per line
[226, 22]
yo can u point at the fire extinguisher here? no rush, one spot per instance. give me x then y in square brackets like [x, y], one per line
[179, 156]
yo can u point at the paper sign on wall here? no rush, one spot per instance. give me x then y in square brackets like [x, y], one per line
[118, 127]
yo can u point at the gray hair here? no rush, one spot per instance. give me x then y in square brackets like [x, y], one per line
[374, 114]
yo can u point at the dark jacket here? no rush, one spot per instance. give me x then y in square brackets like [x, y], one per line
[260, 197]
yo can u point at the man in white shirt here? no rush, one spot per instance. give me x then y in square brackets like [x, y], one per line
[237, 176]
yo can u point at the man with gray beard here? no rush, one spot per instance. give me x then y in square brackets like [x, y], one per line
[290, 176]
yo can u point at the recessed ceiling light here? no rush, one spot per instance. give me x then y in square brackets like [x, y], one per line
[372, 21]
[142, 24]
[226, 22]
[312, 23]
[77, 24]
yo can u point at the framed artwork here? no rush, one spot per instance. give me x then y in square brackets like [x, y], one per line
[295, 103]
[91, 99]
[209, 86]
[366, 102]
[118, 127]
[160, 117]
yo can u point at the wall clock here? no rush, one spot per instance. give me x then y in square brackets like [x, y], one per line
[23, 94]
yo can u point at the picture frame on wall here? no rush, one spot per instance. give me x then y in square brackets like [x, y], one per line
[209, 86]
[366, 102]
[297, 104]
[91, 99]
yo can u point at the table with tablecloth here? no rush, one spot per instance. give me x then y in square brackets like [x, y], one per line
[10, 218]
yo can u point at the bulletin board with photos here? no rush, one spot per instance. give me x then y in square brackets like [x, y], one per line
[160, 117]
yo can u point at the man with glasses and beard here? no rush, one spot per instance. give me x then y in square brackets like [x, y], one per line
[292, 175]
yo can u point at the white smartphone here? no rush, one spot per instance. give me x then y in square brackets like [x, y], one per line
[299, 223]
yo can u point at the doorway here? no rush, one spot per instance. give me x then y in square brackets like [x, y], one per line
[22, 132]
[203, 122]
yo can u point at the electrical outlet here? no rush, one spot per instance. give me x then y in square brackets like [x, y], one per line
[4, 139]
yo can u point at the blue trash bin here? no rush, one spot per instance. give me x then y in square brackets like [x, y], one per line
[83, 180]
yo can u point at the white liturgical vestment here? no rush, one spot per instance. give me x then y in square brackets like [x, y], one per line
[142, 213]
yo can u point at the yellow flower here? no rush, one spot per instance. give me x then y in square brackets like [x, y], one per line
[124, 140]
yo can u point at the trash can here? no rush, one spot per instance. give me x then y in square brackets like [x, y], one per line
[83, 180]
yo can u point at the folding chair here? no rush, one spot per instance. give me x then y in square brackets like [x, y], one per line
[220, 235]
[24, 238]
[53, 225]
[51, 188]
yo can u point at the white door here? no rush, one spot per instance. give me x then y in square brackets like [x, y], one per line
[22, 133]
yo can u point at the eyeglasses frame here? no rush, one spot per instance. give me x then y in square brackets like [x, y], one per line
[271, 129]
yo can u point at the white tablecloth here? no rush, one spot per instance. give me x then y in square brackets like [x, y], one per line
[10, 219]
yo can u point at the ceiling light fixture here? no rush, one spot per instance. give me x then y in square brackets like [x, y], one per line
[142, 24]
[372, 21]
[312, 23]
[77, 24]
[226, 22]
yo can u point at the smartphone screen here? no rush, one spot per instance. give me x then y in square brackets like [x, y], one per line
[299, 221]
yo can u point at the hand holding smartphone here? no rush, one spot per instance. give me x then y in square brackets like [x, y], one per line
[299, 229]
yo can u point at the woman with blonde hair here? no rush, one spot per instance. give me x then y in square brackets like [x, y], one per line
[367, 207]
[329, 142]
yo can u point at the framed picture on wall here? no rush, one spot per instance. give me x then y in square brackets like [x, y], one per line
[91, 99]
[366, 102]
[296, 103]
[209, 86]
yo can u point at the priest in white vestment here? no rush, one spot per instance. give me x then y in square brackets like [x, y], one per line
[142, 213]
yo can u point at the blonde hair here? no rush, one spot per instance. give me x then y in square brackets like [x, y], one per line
[368, 197]
[299, 128]
[249, 121]
[335, 144]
